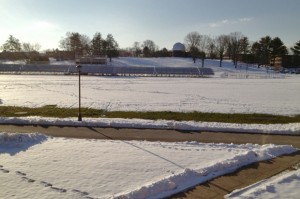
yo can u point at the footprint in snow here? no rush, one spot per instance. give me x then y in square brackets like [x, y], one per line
[20, 173]
[28, 179]
[84, 193]
[4, 170]
[58, 189]
[46, 184]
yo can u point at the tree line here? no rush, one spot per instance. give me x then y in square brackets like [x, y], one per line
[82, 45]
[235, 46]
[13, 49]
[75, 43]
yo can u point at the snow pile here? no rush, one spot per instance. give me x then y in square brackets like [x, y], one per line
[192, 177]
[292, 128]
[76, 168]
[284, 185]
[21, 137]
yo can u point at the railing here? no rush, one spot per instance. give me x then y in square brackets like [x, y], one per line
[245, 75]
[106, 70]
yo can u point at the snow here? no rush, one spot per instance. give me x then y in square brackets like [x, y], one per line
[45, 167]
[273, 96]
[37, 166]
[285, 185]
[291, 129]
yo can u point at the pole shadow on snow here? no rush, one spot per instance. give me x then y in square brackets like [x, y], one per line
[133, 145]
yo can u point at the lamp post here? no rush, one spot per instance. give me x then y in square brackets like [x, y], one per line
[78, 67]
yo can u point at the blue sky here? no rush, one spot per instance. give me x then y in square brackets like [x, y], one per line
[163, 21]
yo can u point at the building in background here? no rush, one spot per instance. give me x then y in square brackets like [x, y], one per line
[179, 50]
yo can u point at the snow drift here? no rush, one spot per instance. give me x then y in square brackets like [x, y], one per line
[21, 137]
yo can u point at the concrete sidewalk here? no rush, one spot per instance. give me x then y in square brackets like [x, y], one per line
[154, 135]
[243, 177]
[215, 188]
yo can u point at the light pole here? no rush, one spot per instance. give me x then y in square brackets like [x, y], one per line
[78, 67]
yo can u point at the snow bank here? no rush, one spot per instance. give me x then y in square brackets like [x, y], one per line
[192, 177]
[292, 128]
[21, 137]
[284, 185]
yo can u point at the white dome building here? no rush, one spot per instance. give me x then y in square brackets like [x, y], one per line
[178, 50]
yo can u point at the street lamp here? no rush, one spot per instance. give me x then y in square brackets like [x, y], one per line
[78, 67]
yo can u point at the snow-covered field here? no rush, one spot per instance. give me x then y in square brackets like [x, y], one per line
[274, 96]
[285, 185]
[36, 166]
[225, 95]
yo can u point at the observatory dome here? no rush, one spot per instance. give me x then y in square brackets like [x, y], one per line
[179, 47]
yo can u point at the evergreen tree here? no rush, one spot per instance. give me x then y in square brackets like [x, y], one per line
[111, 47]
[277, 48]
[244, 45]
[97, 44]
[257, 52]
[146, 51]
[12, 44]
[265, 50]
[296, 48]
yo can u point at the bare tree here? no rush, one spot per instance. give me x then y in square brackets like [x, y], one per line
[150, 47]
[75, 42]
[221, 43]
[28, 47]
[204, 42]
[137, 48]
[192, 40]
[211, 48]
[194, 53]
[234, 46]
